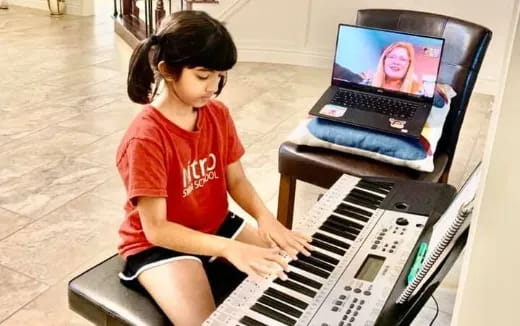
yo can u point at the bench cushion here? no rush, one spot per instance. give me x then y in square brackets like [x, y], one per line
[98, 295]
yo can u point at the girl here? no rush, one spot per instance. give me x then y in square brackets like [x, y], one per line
[178, 160]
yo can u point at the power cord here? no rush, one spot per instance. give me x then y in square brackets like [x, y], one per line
[436, 310]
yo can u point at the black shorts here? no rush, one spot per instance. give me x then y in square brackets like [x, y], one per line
[215, 269]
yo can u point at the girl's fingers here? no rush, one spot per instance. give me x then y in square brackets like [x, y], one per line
[290, 250]
[280, 261]
[253, 274]
[299, 247]
[271, 242]
[293, 253]
[305, 243]
[275, 250]
[282, 276]
[308, 246]
[265, 269]
[302, 236]
[293, 243]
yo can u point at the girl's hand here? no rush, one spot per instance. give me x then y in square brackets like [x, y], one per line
[277, 235]
[256, 262]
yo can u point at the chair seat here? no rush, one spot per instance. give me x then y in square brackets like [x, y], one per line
[322, 167]
[98, 295]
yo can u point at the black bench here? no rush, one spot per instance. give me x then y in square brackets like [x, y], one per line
[98, 295]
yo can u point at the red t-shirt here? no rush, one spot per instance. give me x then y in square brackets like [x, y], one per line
[156, 158]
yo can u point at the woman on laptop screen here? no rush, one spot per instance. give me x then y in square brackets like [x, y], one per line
[390, 60]
[395, 70]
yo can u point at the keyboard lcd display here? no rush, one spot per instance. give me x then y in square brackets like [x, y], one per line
[371, 266]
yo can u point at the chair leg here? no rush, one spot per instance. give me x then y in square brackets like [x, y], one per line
[286, 200]
[444, 176]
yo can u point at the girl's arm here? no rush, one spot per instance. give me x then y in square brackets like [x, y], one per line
[160, 232]
[270, 229]
[252, 260]
[243, 193]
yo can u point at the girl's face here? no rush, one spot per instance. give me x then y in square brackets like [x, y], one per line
[396, 63]
[197, 85]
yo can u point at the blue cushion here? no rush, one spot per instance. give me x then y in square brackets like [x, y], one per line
[390, 145]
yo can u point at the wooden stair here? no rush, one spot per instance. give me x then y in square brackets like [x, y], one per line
[128, 16]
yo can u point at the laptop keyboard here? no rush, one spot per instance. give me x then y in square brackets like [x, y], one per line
[388, 106]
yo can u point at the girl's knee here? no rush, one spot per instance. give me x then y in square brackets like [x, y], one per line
[181, 289]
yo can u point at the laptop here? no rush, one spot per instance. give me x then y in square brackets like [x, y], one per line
[382, 80]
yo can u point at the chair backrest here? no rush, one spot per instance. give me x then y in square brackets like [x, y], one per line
[464, 49]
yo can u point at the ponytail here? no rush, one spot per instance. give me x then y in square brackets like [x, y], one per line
[140, 73]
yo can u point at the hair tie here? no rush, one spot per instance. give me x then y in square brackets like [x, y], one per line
[154, 39]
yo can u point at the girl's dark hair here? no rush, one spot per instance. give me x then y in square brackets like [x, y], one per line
[185, 39]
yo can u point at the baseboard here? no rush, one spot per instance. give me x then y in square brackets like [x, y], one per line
[35, 4]
[324, 60]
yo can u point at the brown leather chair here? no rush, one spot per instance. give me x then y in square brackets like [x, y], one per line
[464, 50]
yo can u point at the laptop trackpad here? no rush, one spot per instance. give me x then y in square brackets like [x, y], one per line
[332, 110]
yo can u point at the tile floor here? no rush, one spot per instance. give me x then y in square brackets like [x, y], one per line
[63, 110]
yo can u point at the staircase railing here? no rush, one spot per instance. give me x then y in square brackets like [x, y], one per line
[135, 20]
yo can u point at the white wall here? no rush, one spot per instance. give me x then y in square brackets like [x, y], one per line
[489, 288]
[304, 31]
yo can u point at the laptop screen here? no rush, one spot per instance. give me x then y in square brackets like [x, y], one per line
[387, 60]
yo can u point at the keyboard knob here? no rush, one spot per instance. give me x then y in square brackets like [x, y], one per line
[401, 221]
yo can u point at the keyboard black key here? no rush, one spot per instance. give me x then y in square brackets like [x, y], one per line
[310, 268]
[286, 298]
[362, 193]
[337, 232]
[316, 262]
[362, 199]
[344, 221]
[324, 257]
[328, 247]
[342, 227]
[351, 215]
[248, 321]
[326, 238]
[350, 208]
[296, 287]
[260, 308]
[380, 183]
[382, 188]
[360, 202]
[365, 194]
[278, 305]
[304, 280]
